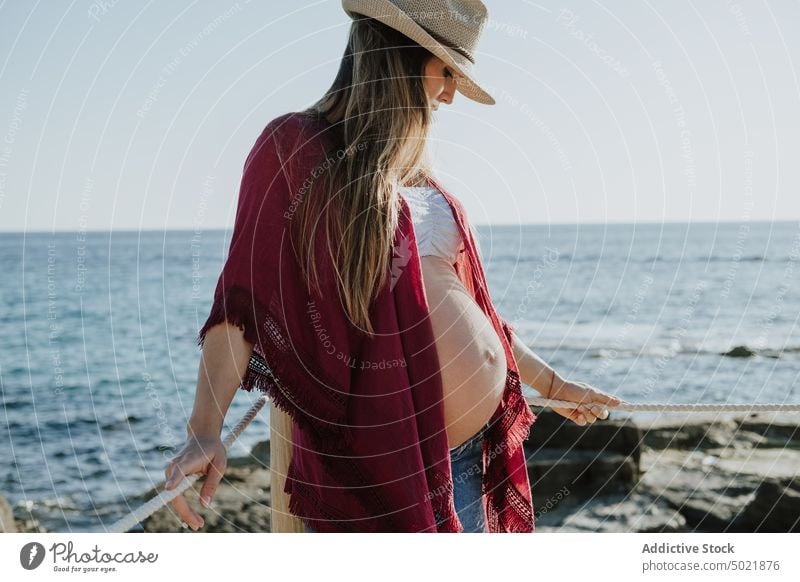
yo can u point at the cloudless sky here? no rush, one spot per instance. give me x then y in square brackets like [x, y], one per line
[139, 115]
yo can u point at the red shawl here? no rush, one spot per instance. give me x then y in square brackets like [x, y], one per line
[370, 450]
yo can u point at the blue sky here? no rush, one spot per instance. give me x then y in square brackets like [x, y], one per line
[134, 115]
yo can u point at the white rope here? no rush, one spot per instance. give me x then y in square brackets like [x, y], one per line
[164, 497]
[660, 407]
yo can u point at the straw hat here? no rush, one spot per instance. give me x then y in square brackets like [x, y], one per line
[450, 29]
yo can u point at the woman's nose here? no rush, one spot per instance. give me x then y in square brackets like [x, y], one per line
[449, 92]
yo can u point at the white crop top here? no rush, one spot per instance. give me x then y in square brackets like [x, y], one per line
[434, 224]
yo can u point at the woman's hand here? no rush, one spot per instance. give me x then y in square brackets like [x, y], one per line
[596, 402]
[199, 454]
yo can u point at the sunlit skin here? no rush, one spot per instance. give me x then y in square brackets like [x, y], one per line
[470, 353]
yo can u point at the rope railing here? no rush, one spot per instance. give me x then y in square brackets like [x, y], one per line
[157, 502]
[671, 407]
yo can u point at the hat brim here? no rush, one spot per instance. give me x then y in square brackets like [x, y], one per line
[388, 13]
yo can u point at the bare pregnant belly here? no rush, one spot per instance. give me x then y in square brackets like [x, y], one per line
[471, 356]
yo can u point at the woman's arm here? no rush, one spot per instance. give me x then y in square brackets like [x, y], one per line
[533, 370]
[280, 455]
[223, 364]
[223, 361]
[536, 373]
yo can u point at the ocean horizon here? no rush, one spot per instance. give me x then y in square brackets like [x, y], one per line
[478, 224]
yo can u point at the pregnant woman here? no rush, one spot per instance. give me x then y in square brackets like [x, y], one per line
[354, 295]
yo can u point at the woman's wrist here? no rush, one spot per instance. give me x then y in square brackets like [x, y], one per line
[203, 427]
[554, 384]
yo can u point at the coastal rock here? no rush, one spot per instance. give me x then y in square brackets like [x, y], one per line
[24, 518]
[30, 525]
[637, 512]
[7, 523]
[775, 508]
[587, 461]
[692, 436]
[685, 431]
[697, 472]
[739, 352]
[717, 490]
[771, 430]
[579, 472]
[612, 435]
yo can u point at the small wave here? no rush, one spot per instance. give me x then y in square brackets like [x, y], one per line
[675, 348]
[59, 425]
[592, 258]
[706, 259]
[122, 423]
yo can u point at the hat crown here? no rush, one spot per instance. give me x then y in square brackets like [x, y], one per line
[455, 23]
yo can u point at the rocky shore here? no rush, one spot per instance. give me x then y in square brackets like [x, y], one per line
[673, 473]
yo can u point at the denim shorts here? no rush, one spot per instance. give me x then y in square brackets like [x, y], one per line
[466, 461]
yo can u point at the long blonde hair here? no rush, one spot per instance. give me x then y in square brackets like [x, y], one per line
[381, 119]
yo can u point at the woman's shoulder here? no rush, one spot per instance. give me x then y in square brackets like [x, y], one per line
[297, 135]
[296, 124]
[291, 140]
